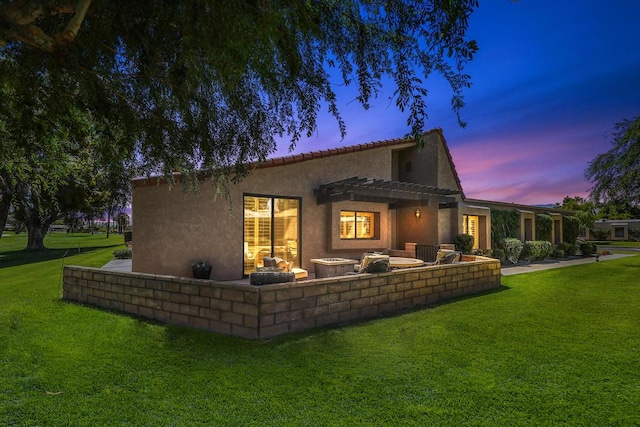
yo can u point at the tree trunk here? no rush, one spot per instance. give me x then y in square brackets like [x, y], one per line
[5, 199]
[4, 213]
[35, 239]
[108, 221]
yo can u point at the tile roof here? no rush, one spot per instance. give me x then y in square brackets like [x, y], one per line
[301, 157]
[295, 158]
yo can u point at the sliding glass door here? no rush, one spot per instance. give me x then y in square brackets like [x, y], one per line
[271, 228]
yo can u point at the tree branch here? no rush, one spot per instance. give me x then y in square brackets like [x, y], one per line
[71, 30]
[22, 15]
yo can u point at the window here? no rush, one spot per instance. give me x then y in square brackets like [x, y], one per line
[359, 225]
[619, 232]
[271, 228]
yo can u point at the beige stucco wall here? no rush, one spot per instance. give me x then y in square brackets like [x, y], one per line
[173, 228]
[448, 224]
[423, 230]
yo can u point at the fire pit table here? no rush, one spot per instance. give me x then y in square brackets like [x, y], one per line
[331, 267]
[402, 262]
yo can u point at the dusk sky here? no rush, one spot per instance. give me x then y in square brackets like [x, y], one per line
[550, 81]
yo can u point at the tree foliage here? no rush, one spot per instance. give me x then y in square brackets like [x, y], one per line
[616, 173]
[504, 224]
[209, 85]
[570, 229]
[585, 211]
[544, 226]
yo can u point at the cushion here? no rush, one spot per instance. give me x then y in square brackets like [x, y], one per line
[374, 263]
[277, 262]
[300, 273]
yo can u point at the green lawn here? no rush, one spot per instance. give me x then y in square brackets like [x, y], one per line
[558, 347]
[619, 244]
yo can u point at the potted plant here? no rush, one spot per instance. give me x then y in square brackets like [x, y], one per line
[201, 270]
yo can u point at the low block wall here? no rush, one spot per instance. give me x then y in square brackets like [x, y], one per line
[261, 312]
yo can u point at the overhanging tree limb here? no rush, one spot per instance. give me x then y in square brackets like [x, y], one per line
[210, 85]
[616, 174]
[20, 18]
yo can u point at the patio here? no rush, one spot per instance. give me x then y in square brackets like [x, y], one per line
[262, 312]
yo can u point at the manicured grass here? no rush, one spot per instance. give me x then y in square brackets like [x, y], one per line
[558, 347]
[618, 244]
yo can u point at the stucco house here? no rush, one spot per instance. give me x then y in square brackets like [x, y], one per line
[331, 203]
[614, 229]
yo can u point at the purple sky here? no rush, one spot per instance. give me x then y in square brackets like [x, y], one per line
[549, 82]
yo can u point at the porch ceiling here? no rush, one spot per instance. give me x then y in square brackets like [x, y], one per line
[380, 190]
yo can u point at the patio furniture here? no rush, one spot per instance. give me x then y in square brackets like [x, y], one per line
[300, 273]
[404, 262]
[374, 263]
[332, 267]
[445, 256]
[270, 275]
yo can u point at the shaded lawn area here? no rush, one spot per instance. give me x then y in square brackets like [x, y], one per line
[554, 347]
[58, 245]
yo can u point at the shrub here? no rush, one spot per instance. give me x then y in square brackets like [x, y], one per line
[122, 254]
[600, 234]
[503, 224]
[568, 249]
[557, 253]
[464, 243]
[498, 254]
[512, 249]
[544, 225]
[536, 249]
[588, 249]
[484, 252]
[634, 234]
[570, 229]
[571, 250]
[546, 250]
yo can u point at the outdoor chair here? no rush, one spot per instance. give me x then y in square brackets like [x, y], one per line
[373, 263]
[446, 256]
[357, 267]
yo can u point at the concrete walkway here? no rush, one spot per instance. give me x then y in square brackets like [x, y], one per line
[124, 265]
[510, 269]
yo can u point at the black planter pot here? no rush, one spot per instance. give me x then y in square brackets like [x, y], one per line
[201, 272]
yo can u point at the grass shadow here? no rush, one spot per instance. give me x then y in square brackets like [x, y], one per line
[24, 257]
[323, 330]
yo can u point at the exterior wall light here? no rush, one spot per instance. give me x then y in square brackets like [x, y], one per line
[418, 213]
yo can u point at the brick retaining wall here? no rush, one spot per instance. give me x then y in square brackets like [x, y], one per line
[261, 312]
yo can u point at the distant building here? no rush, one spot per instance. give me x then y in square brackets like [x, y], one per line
[614, 229]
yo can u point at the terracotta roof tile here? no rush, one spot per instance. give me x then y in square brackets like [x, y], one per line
[319, 154]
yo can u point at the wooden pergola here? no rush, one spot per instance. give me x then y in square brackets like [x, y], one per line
[380, 191]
